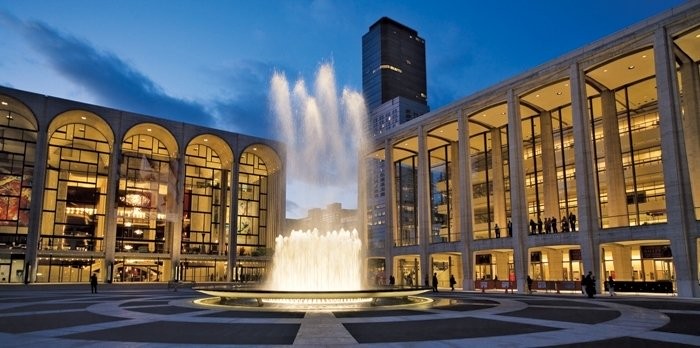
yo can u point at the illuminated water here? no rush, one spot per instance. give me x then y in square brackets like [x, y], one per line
[324, 132]
[312, 261]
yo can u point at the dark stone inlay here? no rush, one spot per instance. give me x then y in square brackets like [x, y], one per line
[379, 313]
[143, 303]
[664, 305]
[688, 324]
[29, 323]
[442, 329]
[560, 303]
[255, 314]
[463, 307]
[42, 307]
[582, 316]
[622, 342]
[165, 310]
[196, 333]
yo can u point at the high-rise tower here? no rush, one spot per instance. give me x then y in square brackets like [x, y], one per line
[393, 74]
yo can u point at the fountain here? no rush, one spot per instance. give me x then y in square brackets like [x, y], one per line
[312, 269]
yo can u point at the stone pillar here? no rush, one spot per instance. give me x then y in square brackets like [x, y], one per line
[465, 215]
[615, 176]
[110, 234]
[175, 218]
[423, 204]
[517, 190]
[37, 204]
[499, 186]
[549, 168]
[231, 267]
[586, 192]
[390, 207]
[679, 200]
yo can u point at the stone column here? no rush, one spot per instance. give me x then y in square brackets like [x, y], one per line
[549, 168]
[586, 192]
[615, 176]
[464, 211]
[390, 207]
[175, 218]
[499, 186]
[37, 206]
[233, 216]
[423, 204]
[679, 200]
[517, 190]
[453, 177]
[110, 234]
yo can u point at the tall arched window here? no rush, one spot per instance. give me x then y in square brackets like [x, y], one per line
[76, 187]
[17, 146]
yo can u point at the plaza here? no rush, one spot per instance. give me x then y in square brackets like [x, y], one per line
[151, 315]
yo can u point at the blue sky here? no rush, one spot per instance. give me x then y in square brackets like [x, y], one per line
[184, 59]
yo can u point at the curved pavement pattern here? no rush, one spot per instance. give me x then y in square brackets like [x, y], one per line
[150, 317]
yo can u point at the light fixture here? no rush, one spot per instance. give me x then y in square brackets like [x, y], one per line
[138, 231]
[148, 129]
[4, 103]
[558, 93]
[83, 118]
[630, 67]
[205, 140]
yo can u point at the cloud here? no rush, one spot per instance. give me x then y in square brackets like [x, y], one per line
[242, 106]
[111, 80]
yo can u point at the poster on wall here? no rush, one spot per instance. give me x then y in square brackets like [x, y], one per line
[12, 198]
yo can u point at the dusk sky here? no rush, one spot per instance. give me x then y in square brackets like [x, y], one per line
[210, 62]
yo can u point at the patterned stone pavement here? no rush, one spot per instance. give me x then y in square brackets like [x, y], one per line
[137, 316]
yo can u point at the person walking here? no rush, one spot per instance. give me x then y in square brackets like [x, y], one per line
[529, 284]
[93, 283]
[452, 282]
[611, 286]
[435, 282]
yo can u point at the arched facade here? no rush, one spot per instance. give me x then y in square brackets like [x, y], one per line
[130, 197]
[583, 164]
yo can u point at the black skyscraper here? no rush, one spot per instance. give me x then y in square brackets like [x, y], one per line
[393, 64]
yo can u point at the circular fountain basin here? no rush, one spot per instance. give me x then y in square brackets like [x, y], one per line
[315, 299]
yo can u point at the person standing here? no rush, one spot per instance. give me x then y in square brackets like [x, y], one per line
[510, 228]
[611, 286]
[93, 283]
[529, 284]
[589, 284]
[498, 231]
[452, 282]
[435, 282]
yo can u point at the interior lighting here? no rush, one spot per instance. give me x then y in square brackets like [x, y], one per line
[205, 140]
[558, 93]
[4, 103]
[630, 67]
[148, 129]
[83, 118]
